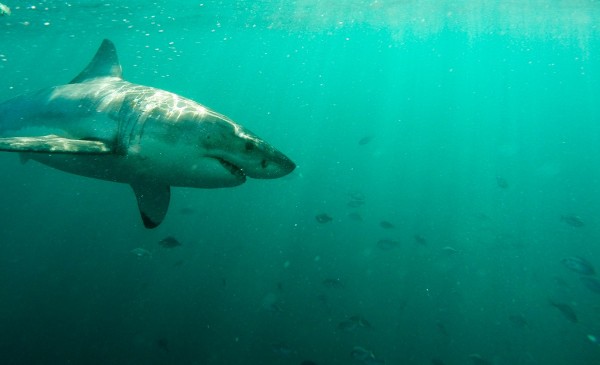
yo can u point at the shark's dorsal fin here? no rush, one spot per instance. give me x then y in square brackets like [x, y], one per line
[153, 202]
[105, 63]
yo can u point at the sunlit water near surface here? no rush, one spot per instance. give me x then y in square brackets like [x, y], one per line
[452, 144]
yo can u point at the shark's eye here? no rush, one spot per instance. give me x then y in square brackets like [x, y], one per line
[263, 163]
[249, 146]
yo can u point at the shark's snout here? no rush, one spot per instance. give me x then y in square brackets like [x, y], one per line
[280, 165]
[265, 162]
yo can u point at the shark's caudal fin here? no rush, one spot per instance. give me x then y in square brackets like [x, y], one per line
[153, 202]
[105, 63]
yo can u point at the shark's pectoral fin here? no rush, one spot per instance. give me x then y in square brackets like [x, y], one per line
[153, 202]
[53, 144]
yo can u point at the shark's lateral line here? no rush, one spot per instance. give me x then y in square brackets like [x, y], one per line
[104, 127]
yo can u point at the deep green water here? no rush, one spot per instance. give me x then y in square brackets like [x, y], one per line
[453, 97]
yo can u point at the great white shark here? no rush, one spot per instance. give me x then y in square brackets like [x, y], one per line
[104, 127]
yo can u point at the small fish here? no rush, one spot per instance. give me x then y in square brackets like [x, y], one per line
[387, 244]
[360, 353]
[448, 250]
[323, 218]
[274, 308]
[335, 283]
[365, 140]
[354, 322]
[347, 325]
[442, 328]
[178, 263]
[501, 182]
[565, 310]
[140, 252]
[169, 242]
[477, 359]
[271, 303]
[362, 322]
[163, 344]
[365, 356]
[4, 10]
[572, 220]
[578, 265]
[357, 199]
[308, 362]
[591, 283]
[420, 240]
[357, 196]
[386, 225]
[518, 320]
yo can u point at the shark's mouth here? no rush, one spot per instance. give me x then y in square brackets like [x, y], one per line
[233, 169]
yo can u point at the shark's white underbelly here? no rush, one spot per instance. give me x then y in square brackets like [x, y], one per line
[133, 169]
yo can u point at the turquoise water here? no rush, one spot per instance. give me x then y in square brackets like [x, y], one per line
[479, 129]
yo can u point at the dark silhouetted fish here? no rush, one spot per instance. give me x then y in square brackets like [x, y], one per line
[365, 356]
[357, 199]
[323, 218]
[387, 244]
[565, 310]
[357, 195]
[178, 263]
[362, 322]
[420, 240]
[352, 323]
[572, 220]
[591, 283]
[169, 242]
[386, 225]
[308, 362]
[163, 344]
[442, 328]
[578, 265]
[365, 140]
[518, 320]
[347, 325]
[501, 182]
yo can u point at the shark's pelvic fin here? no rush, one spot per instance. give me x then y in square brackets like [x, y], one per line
[53, 144]
[105, 63]
[153, 202]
